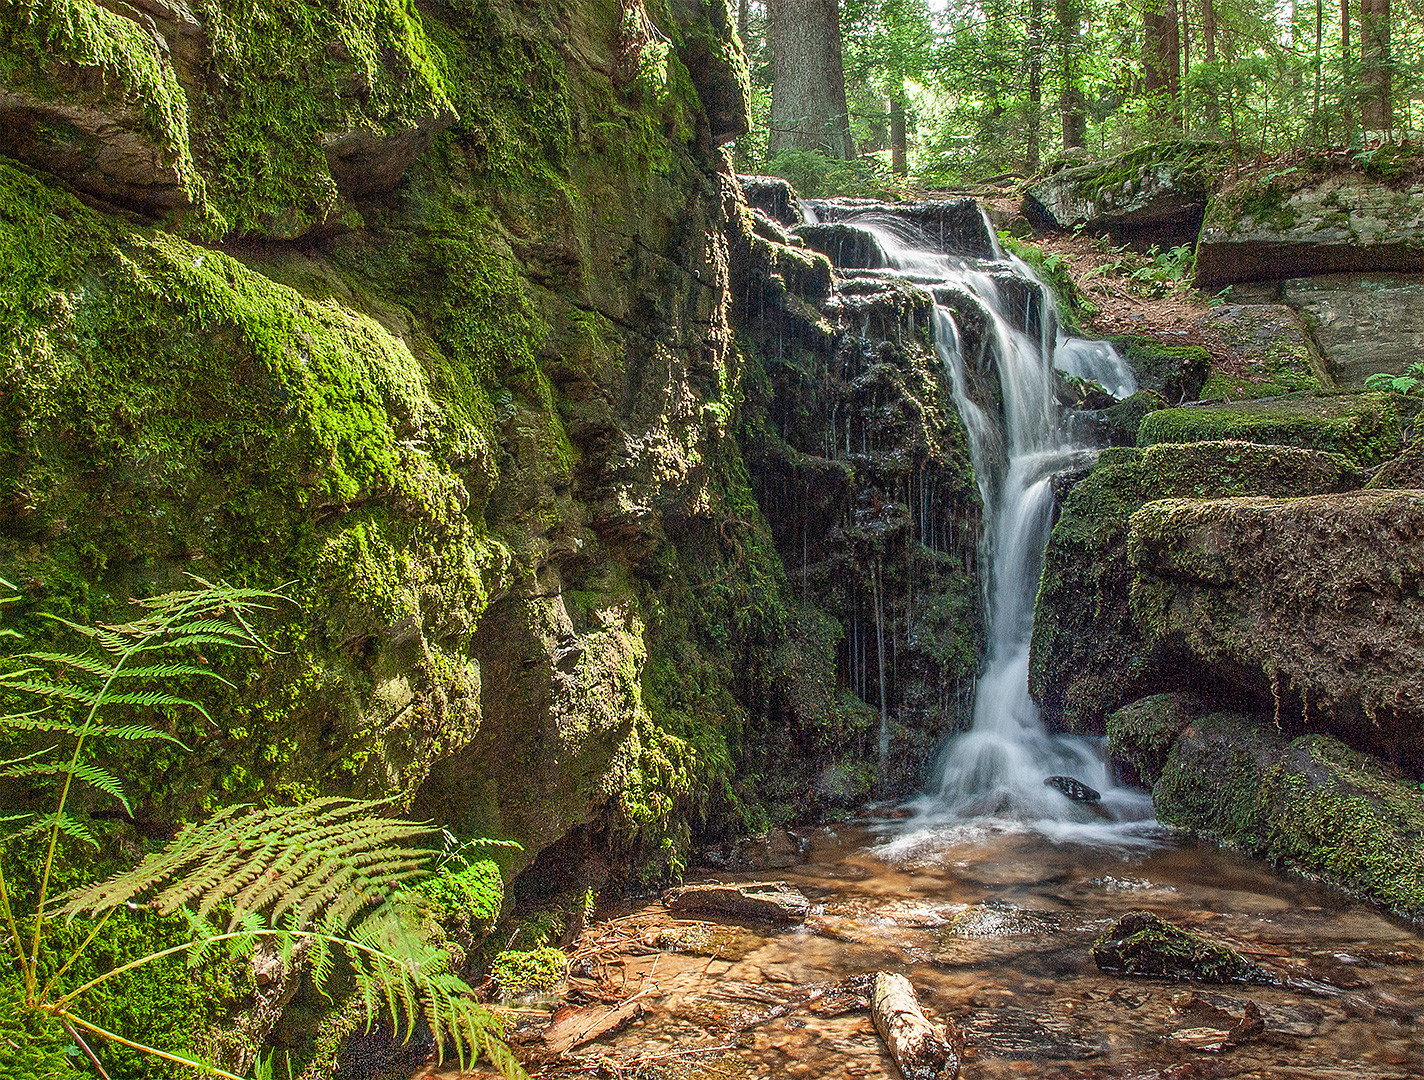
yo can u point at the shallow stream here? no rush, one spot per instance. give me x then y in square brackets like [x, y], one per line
[994, 928]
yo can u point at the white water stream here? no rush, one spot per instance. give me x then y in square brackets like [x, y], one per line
[994, 773]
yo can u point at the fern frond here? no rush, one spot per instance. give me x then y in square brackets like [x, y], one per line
[39, 720]
[61, 823]
[90, 773]
[305, 860]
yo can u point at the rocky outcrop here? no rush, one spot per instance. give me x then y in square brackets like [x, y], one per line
[1310, 804]
[1362, 323]
[1270, 352]
[1296, 222]
[1085, 609]
[1314, 604]
[955, 227]
[1155, 194]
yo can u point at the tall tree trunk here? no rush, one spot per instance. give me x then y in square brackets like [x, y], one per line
[1376, 94]
[1035, 84]
[808, 95]
[744, 18]
[1213, 106]
[1315, 118]
[899, 150]
[1162, 61]
[1072, 108]
[1347, 74]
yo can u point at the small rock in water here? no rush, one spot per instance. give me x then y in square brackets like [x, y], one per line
[1143, 943]
[1074, 789]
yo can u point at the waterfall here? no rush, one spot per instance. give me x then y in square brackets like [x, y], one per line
[997, 768]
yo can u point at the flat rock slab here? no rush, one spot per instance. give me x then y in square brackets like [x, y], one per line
[1363, 323]
[775, 902]
[1291, 224]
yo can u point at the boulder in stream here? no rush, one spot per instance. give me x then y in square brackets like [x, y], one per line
[1144, 943]
[760, 901]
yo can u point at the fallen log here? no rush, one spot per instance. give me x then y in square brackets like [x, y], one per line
[921, 1051]
[757, 901]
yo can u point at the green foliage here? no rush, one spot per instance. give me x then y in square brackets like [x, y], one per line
[815, 176]
[1410, 382]
[325, 876]
[522, 972]
[1156, 273]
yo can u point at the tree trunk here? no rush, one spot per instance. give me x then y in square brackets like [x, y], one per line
[1315, 126]
[1376, 91]
[899, 150]
[1072, 108]
[1213, 107]
[808, 96]
[1162, 60]
[1347, 75]
[1035, 84]
[744, 18]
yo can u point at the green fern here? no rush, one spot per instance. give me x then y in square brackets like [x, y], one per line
[326, 877]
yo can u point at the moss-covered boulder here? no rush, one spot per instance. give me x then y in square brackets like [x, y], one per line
[1310, 804]
[1154, 194]
[1177, 372]
[1313, 605]
[1084, 611]
[1363, 427]
[1140, 735]
[1144, 943]
[1313, 218]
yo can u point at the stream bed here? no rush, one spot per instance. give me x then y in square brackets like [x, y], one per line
[994, 927]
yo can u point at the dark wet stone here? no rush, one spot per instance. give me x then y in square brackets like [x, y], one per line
[1073, 788]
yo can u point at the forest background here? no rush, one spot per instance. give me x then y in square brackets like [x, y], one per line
[884, 96]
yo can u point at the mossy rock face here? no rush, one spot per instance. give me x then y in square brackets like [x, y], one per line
[1122, 420]
[1177, 372]
[1084, 610]
[1313, 604]
[1310, 803]
[1155, 193]
[1313, 218]
[1405, 471]
[1143, 943]
[1141, 734]
[1270, 353]
[1362, 427]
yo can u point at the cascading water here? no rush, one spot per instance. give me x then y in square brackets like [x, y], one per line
[997, 768]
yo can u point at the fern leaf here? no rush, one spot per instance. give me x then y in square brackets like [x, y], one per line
[40, 721]
[304, 860]
[66, 824]
[90, 773]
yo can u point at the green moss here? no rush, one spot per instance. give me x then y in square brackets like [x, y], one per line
[48, 45]
[1143, 943]
[522, 972]
[1141, 734]
[1363, 427]
[1195, 167]
[472, 895]
[168, 409]
[30, 1047]
[1312, 804]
